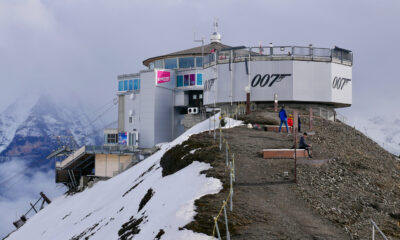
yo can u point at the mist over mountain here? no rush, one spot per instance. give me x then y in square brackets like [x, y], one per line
[31, 126]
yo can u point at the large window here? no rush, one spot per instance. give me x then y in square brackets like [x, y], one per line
[171, 63]
[179, 81]
[121, 85]
[199, 79]
[125, 85]
[130, 87]
[186, 62]
[192, 79]
[158, 64]
[199, 61]
[136, 84]
[185, 80]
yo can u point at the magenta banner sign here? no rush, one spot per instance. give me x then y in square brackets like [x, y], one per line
[163, 76]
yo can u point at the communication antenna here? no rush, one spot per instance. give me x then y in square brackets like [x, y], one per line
[215, 37]
[202, 47]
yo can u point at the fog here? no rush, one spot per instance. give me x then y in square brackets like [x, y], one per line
[75, 50]
[18, 188]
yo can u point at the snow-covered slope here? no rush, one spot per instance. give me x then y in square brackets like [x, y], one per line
[110, 209]
[383, 130]
[28, 128]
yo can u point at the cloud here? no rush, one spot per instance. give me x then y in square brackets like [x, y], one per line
[20, 186]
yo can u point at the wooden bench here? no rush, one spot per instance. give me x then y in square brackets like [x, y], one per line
[284, 153]
[275, 128]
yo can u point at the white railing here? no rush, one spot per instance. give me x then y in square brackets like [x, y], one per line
[374, 226]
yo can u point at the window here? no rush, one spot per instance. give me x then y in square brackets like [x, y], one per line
[171, 63]
[186, 62]
[199, 61]
[200, 79]
[194, 97]
[136, 84]
[151, 65]
[179, 81]
[158, 64]
[120, 85]
[192, 79]
[111, 138]
[130, 119]
[200, 96]
[125, 85]
[186, 80]
[130, 87]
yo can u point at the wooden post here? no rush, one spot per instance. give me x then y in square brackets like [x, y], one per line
[248, 103]
[311, 116]
[295, 126]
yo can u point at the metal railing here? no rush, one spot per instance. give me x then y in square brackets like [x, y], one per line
[374, 226]
[261, 53]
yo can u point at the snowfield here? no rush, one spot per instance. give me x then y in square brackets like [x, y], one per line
[111, 208]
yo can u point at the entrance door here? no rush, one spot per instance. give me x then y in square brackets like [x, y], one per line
[196, 99]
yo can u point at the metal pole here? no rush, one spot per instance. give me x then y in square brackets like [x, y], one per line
[373, 232]
[295, 125]
[220, 139]
[228, 237]
[216, 227]
[231, 190]
[226, 154]
[311, 116]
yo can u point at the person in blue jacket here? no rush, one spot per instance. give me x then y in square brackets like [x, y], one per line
[283, 117]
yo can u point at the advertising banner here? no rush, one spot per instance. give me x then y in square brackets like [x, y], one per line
[163, 76]
[123, 138]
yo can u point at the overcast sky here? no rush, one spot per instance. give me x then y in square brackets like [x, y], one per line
[81, 46]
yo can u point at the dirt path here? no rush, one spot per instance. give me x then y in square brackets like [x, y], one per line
[263, 196]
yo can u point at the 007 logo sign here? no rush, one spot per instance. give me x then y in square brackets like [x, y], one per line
[339, 83]
[263, 81]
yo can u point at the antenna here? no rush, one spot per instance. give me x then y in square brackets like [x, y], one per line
[215, 37]
[202, 46]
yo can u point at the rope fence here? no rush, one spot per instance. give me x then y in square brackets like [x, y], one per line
[230, 164]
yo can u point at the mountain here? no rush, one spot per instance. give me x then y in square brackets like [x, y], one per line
[383, 130]
[29, 127]
[140, 203]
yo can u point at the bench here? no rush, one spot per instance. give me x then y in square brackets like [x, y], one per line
[284, 153]
[275, 128]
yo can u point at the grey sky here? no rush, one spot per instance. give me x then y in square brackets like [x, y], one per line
[81, 46]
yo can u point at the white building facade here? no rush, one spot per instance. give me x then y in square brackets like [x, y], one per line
[153, 103]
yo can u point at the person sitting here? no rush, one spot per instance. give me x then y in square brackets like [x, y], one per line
[304, 145]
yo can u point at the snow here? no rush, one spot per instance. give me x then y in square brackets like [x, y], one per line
[170, 208]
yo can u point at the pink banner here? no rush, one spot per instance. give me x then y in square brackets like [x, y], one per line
[163, 76]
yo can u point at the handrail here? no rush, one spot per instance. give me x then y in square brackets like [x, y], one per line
[377, 228]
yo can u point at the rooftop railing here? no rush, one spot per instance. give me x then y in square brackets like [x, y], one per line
[261, 53]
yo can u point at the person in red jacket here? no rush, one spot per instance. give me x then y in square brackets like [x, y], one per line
[290, 120]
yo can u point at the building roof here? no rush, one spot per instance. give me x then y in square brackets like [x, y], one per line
[196, 51]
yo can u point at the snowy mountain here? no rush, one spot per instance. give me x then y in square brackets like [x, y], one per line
[30, 126]
[116, 209]
[383, 130]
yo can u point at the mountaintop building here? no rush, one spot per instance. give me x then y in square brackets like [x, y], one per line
[154, 103]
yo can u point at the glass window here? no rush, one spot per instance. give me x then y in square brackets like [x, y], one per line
[136, 84]
[130, 87]
[199, 79]
[151, 65]
[199, 61]
[111, 138]
[200, 96]
[120, 85]
[171, 63]
[186, 62]
[186, 80]
[158, 64]
[179, 81]
[125, 85]
[194, 97]
[192, 79]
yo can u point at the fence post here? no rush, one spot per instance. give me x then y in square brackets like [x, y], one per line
[226, 153]
[231, 191]
[233, 167]
[228, 237]
[373, 232]
[311, 116]
[216, 227]
[220, 139]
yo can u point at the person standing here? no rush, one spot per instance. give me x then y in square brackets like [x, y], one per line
[283, 117]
